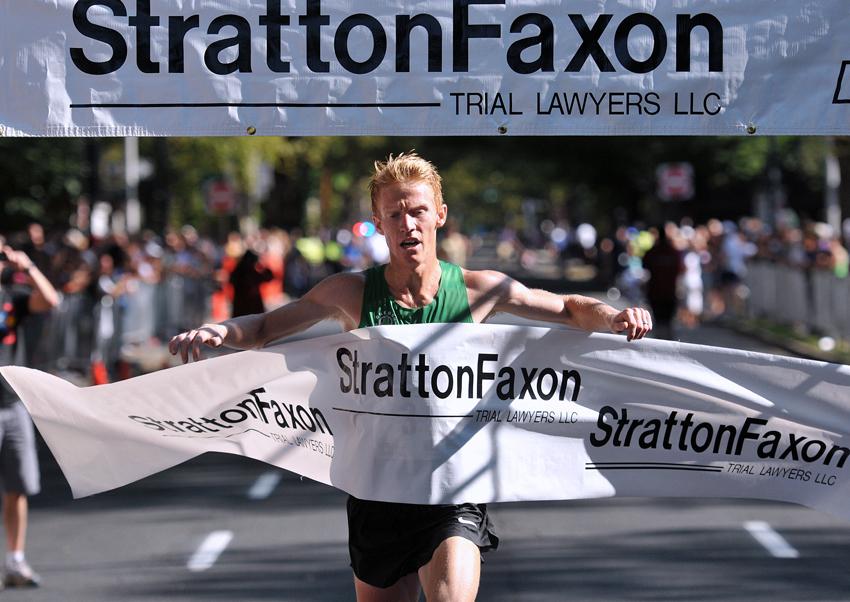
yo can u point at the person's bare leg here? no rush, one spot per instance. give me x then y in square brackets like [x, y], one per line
[15, 520]
[453, 573]
[405, 589]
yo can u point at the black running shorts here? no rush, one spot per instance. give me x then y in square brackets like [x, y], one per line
[387, 541]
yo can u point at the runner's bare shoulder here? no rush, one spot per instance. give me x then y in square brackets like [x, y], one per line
[487, 290]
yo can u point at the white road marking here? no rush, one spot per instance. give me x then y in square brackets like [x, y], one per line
[770, 539]
[209, 551]
[264, 485]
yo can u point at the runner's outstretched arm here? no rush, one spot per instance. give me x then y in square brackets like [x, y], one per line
[336, 297]
[493, 292]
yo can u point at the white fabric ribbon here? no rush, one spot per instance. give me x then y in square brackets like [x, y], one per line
[450, 413]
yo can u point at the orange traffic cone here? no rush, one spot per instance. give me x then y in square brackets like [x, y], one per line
[99, 374]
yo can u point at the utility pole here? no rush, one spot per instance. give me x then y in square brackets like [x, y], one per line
[832, 201]
[133, 208]
[776, 192]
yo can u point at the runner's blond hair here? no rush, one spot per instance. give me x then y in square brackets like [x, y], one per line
[406, 167]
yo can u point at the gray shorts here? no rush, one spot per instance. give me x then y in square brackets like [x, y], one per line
[18, 456]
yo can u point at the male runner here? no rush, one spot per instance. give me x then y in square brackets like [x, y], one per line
[396, 547]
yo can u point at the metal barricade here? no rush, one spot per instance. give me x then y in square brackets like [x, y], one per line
[761, 282]
[68, 337]
[139, 315]
[812, 298]
[185, 303]
[792, 298]
[138, 323]
[824, 316]
[841, 306]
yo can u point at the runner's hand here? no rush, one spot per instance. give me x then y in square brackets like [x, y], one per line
[635, 322]
[211, 335]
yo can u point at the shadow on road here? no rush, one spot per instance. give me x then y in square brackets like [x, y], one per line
[308, 573]
[219, 480]
[665, 565]
[656, 565]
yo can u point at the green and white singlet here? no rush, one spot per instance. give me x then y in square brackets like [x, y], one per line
[387, 541]
[451, 303]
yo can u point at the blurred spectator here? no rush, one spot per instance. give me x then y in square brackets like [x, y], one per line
[454, 246]
[24, 291]
[664, 264]
[696, 255]
[109, 289]
[609, 267]
[246, 279]
[632, 274]
[296, 276]
[36, 248]
[222, 297]
[275, 249]
[509, 247]
[840, 259]
[735, 251]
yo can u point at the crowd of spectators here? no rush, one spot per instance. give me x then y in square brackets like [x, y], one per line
[709, 278]
[714, 258]
[123, 297]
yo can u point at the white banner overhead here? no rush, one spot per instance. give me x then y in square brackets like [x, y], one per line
[470, 413]
[431, 67]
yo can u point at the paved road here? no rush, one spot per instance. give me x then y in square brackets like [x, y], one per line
[139, 542]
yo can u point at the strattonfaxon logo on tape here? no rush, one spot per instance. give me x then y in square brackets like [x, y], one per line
[285, 415]
[391, 380]
[536, 39]
[617, 429]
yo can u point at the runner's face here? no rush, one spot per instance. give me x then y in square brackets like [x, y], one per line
[407, 215]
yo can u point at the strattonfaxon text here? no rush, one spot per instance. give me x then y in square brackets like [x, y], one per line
[534, 41]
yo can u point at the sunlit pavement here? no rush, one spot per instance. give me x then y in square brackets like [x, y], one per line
[225, 528]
